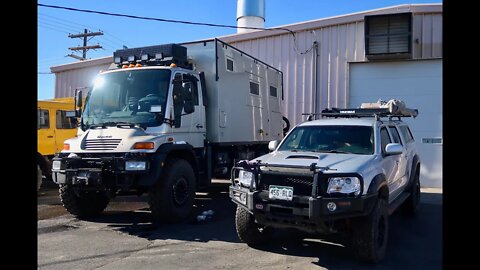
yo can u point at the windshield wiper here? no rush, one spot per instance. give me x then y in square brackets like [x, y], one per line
[337, 152]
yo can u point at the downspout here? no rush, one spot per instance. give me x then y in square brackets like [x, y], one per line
[315, 68]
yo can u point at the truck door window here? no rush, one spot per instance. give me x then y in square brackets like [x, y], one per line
[64, 122]
[384, 139]
[43, 119]
[273, 91]
[395, 135]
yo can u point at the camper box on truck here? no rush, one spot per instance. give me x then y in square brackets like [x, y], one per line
[165, 119]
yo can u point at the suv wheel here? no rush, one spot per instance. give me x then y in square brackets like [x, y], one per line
[248, 231]
[410, 206]
[370, 233]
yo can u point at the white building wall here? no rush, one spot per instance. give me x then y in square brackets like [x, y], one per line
[339, 45]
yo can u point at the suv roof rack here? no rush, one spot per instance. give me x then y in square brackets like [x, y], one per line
[357, 113]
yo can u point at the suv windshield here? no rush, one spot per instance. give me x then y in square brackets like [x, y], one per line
[330, 139]
[126, 97]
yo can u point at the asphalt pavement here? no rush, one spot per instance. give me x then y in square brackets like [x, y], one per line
[124, 237]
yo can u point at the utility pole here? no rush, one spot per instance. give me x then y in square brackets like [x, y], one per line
[84, 48]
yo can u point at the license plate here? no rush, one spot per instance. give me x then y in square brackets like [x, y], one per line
[280, 193]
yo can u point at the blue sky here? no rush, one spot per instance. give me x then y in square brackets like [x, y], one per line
[54, 25]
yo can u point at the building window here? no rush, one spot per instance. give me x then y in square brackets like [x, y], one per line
[254, 88]
[273, 91]
[43, 119]
[388, 35]
[229, 64]
[64, 122]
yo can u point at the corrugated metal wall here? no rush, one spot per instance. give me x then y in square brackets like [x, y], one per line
[338, 45]
[67, 81]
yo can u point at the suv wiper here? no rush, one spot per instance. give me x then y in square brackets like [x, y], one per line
[337, 152]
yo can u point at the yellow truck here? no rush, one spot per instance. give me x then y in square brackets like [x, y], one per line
[54, 127]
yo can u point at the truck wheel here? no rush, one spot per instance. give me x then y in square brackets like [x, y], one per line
[370, 233]
[171, 198]
[410, 206]
[88, 204]
[248, 231]
[39, 177]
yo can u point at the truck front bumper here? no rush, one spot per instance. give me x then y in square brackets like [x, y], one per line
[105, 171]
[303, 212]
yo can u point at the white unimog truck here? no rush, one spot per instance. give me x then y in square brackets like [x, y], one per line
[164, 120]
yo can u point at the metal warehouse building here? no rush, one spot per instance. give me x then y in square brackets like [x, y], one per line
[342, 61]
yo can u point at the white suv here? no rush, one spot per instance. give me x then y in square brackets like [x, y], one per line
[345, 174]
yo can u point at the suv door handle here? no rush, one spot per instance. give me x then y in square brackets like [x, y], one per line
[199, 126]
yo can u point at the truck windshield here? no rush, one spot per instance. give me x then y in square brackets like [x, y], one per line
[330, 139]
[127, 97]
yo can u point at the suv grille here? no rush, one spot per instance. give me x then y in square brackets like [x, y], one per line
[102, 144]
[302, 185]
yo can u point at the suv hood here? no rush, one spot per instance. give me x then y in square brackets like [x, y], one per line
[341, 163]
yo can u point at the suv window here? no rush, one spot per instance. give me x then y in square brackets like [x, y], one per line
[395, 135]
[330, 139]
[407, 134]
[384, 138]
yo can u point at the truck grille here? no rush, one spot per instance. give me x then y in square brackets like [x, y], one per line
[102, 144]
[302, 185]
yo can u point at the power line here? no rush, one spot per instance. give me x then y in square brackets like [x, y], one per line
[164, 20]
[58, 24]
[52, 29]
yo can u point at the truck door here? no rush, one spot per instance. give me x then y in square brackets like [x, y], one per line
[46, 135]
[192, 127]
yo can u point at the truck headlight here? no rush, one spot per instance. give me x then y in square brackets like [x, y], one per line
[245, 178]
[344, 185]
[135, 165]
[56, 165]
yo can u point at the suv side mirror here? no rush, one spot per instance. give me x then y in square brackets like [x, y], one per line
[393, 149]
[272, 145]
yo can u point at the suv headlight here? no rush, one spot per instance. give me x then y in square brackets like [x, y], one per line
[245, 178]
[344, 185]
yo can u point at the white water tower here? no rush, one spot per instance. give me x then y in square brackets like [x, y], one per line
[250, 13]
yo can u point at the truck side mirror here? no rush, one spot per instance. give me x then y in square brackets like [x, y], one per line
[178, 102]
[79, 100]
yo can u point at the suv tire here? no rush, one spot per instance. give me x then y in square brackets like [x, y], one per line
[84, 204]
[171, 198]
[410, 206]
[370, 233]
[248, 231]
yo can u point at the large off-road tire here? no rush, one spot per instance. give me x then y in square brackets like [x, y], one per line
[171, 198]
[370, 233]
[410, 206]
[39, 177]
[248, 231]
[88, 204]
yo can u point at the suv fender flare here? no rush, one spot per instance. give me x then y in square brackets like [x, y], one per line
[377, 183]
[415, 165]
[184, 151]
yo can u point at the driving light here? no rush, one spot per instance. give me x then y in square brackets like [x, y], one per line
[56, 165]
[66, 146]
[131, 58]
[135, 165]
[117, 60]
[144, 145]
[245, 178]
[158, 56]
[144, 57]
[344, 185]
